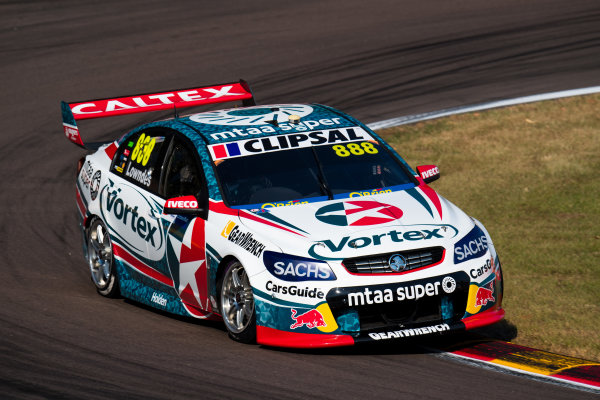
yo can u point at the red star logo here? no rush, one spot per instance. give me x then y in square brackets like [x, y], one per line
[193, 285]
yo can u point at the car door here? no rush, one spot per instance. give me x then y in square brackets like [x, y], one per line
[131, 209]
[183, 177]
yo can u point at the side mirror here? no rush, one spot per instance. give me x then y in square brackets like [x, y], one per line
[428, 173]
[183, 205]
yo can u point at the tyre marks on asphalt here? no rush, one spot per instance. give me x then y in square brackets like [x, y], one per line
[411, 119]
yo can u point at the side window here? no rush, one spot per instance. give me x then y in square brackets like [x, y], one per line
[182, 175]
[140, 157]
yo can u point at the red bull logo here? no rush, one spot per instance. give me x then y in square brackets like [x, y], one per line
[311, 319]
[485, 294]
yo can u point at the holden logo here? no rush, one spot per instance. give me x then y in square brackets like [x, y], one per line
[358, 213]
[397, 263]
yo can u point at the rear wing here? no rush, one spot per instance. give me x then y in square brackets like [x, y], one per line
[139, 103]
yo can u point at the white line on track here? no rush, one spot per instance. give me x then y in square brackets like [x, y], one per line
[409, 119]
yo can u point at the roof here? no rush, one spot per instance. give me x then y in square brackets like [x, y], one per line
[222, 126]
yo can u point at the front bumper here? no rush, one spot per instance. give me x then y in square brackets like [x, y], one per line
[348, 315]
[281, 338]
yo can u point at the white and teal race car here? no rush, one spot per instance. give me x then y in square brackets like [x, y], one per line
[295, 224]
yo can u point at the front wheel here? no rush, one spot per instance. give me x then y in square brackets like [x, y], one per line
[237, 304]
[100, 259]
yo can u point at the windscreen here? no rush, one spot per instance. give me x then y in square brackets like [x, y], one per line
[308, 166]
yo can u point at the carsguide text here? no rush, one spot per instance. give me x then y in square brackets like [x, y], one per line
[312, 293]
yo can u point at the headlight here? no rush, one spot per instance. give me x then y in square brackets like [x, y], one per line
[294, 269]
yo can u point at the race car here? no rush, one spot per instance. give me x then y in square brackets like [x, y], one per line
[295, 224]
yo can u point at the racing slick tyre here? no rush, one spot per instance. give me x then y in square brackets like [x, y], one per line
[237, 303]
[101, 260]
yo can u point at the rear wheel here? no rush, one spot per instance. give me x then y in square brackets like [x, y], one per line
[237, 304]
[101, 260]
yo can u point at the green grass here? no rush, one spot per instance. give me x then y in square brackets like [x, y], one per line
[531, 174]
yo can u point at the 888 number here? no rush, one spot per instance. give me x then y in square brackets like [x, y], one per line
[354, 149]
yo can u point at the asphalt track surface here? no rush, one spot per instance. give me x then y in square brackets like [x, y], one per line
[373, 59]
